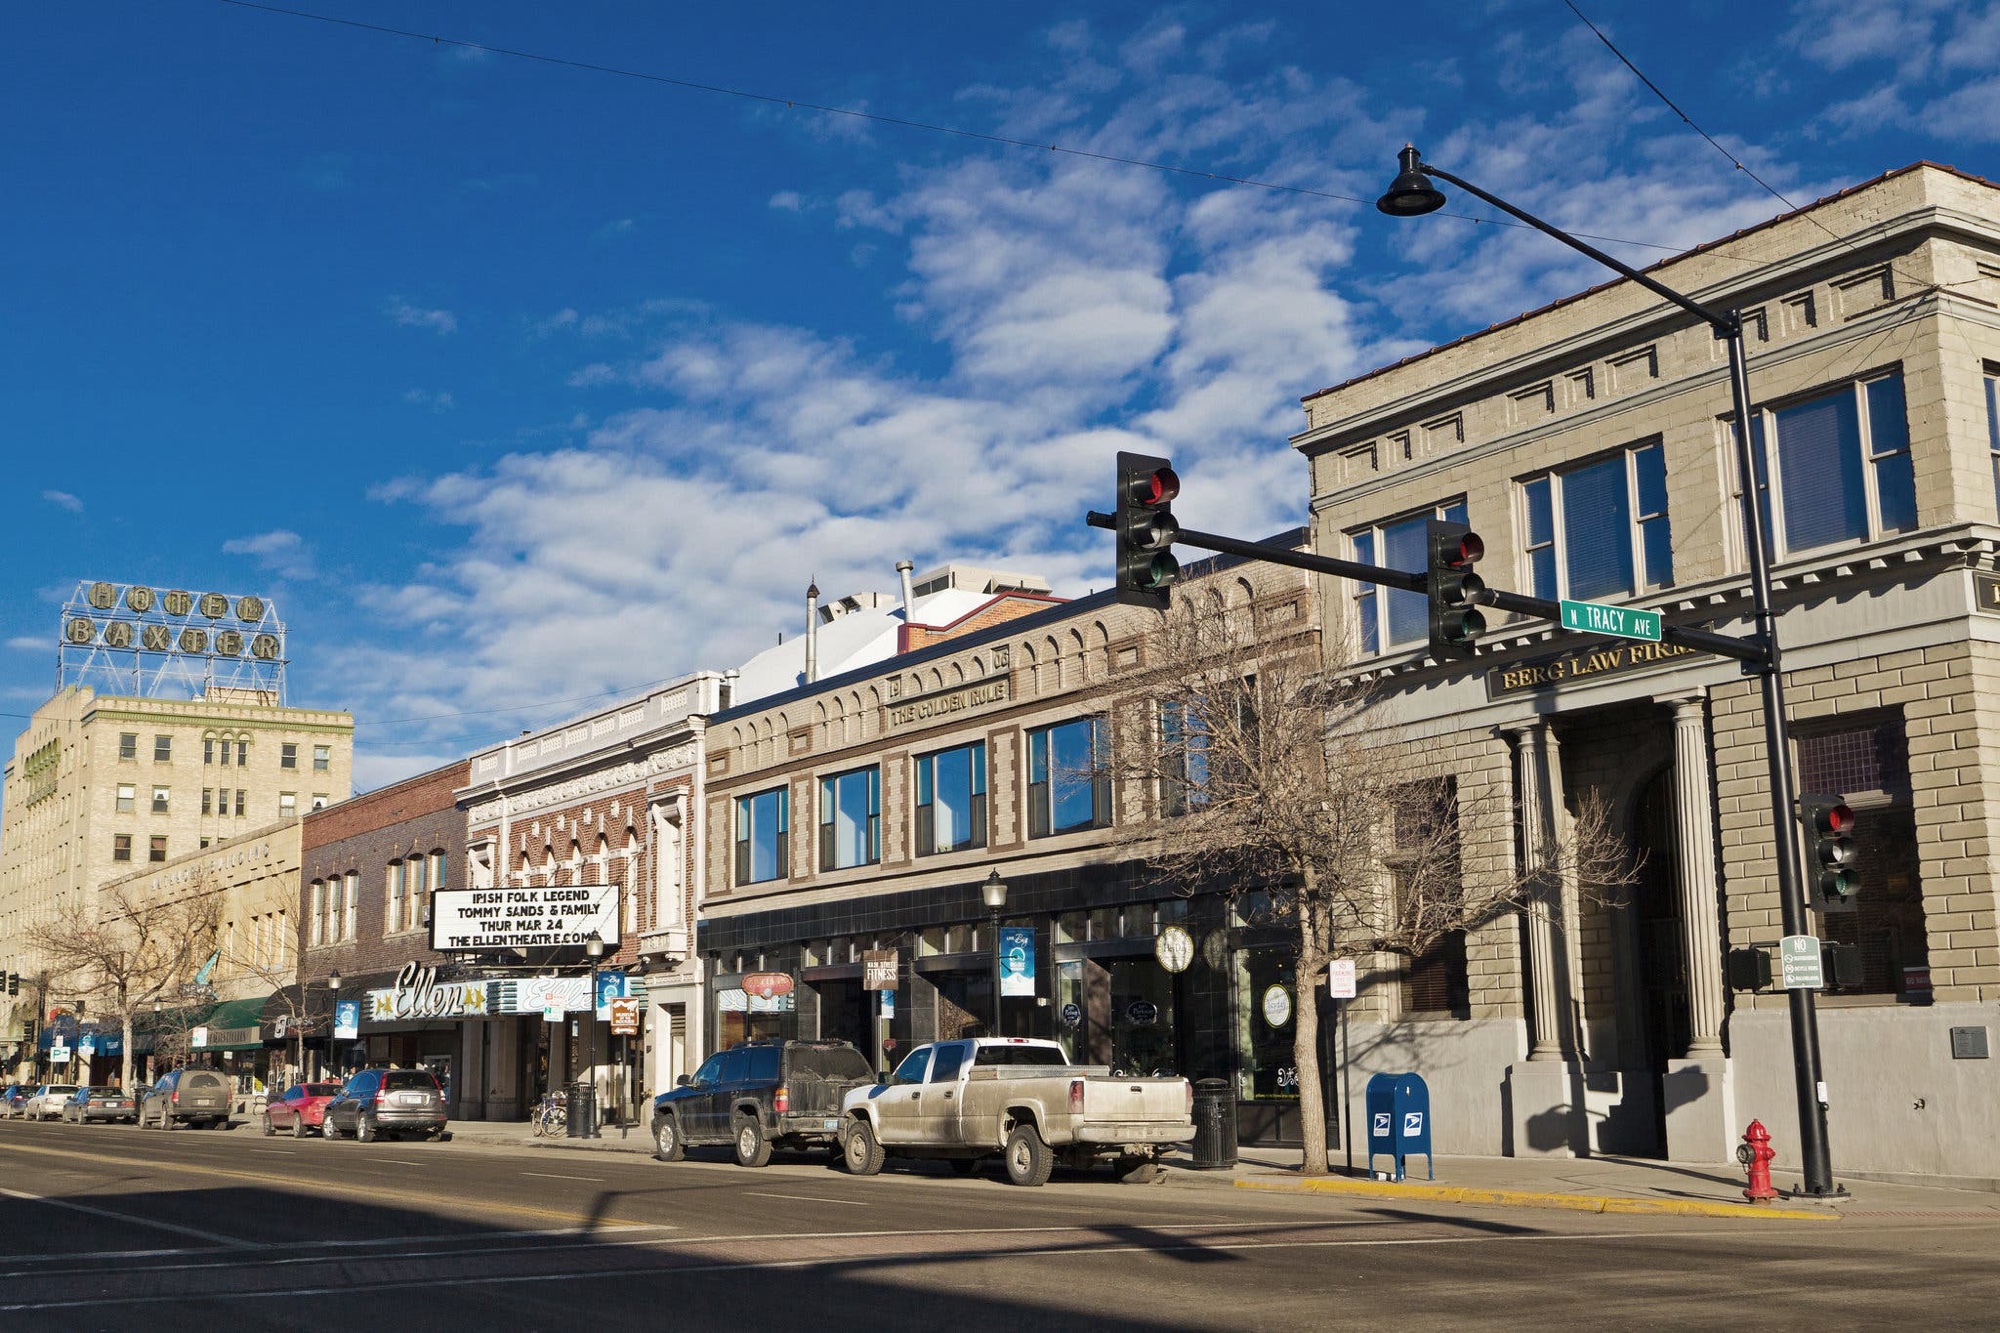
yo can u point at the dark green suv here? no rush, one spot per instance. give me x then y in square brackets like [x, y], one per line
[759, 1096]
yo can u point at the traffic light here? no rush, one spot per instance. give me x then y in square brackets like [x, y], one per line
[1146, 530]
[1830, 830]
[1454, 589]
[13, 983]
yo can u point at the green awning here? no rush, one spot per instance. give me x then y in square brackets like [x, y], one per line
[235, 1025]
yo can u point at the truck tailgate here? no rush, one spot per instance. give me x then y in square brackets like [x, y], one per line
[1135, 1101]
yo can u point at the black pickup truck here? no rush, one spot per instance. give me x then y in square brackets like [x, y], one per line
[759, 1096]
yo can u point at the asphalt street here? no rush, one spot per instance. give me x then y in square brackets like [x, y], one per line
[105, 1226]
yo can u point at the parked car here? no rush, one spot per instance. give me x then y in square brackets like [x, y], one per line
[760, 1096]
[1022, 1100]
[88, 1104]
[300, 1110]
[197, 1097]
[45, 1102]
[391, 1103]
[13, 1100]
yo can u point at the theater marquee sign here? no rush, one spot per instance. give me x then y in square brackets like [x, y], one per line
[1582, 664]
[932, 707]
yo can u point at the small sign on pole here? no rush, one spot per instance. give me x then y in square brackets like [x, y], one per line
[1623, 622]
[624, 1017]
[1340, 978]
[1799, 963]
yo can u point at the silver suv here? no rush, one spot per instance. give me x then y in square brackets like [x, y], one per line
[387, 1103]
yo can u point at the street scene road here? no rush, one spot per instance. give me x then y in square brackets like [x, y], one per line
[104, 1226]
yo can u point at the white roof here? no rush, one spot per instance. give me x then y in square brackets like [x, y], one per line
[847, 642]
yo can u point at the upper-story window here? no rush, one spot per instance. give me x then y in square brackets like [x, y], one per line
[763, 823]
[1388, 618]
[127, 798]
[1184, 747]
[850, 819]
[163, 749]
[128, 745]
[1843, 467]
[1600, 529]
[393, 918]
[288, 804]
[322, 758]
[1069, 777]
[1993, 423]
[288, 754]
[951, 799]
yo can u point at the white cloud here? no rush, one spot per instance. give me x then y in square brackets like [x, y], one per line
[281, 551]
[416, 317]
[64, 500]
[30, 643]
[437, 400]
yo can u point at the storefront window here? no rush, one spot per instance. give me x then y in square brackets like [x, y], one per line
[1266, 1010]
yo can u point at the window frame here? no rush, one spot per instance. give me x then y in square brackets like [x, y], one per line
[156, 849]
[832, 791]
[322, 758]
[1042, 793]
[125, 798]
[1554, 583]
[163, 749]
[927, 802]
[1371, 604]
[748, 831]
[162, 803]
[121, 847]
[288, 754]
[1767, 460]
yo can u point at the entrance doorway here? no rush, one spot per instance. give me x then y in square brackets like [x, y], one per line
[1665, 1026]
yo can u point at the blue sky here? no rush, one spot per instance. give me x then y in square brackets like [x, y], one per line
[514, 383]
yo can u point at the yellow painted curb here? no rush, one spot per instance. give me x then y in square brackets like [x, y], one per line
[1585, 1203]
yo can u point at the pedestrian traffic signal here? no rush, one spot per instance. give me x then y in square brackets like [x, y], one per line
[1829, 824]
[1146, 531]
[1454, 589]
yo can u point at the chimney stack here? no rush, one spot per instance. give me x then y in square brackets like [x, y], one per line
[812, 631]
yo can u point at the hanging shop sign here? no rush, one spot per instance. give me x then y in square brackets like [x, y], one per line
[1142, 1013]
[1017, 960]
[1277, 1006]
[624, 1017]
[1174, 948]
[418, 994]
[347, 1020]
[768, 984]
[879, 968]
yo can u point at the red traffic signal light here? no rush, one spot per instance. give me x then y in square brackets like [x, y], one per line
[1831, 849]
[1146, 530]
[1453, 589]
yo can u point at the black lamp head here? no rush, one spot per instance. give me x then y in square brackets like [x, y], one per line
[1411, 194]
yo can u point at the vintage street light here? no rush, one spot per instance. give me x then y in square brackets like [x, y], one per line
[994, 891]
[333, 1021]
[593, 945]
[1411, 194]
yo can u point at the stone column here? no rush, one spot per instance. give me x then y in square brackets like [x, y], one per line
[1701, 927]
[1539, 796]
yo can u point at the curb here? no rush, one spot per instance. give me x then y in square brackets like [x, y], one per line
[1587, 1203]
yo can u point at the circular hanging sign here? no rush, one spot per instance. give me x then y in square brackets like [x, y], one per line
[1142, 1013]
[118, 634]
[80, 629]
[1072, 1015]
[139, 598]
[178, 601]
[1277, 1006]
[249, 610]
[1174, 949]
[102, 596]
[768, 985]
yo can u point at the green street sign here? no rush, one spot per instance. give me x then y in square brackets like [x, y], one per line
[1799, 963]
[1623, 621]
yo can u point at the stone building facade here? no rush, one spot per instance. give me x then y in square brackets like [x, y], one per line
[101, 787]
[611, 798]
[861, 815]
[1589, 444]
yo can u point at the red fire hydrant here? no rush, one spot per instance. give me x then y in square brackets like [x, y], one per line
[1757, 1154]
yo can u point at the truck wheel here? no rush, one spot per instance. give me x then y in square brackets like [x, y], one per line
[859, 1150]
[1028, 1159]
[751, 1147]
[1136, 1170]
[667, 1145]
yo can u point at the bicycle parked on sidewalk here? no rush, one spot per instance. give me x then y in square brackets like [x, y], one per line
[551, 1116]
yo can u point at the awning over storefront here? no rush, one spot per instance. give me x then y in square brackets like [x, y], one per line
[233, 1025]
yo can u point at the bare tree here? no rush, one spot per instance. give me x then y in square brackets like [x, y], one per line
[284, 974]
[125, 953]
[1274, 777]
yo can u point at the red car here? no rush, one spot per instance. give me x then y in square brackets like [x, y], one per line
[301, 1109]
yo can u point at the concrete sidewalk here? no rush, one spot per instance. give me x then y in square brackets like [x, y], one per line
[1595, 1184]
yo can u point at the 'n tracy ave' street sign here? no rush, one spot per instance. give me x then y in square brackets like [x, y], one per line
[1623, 621]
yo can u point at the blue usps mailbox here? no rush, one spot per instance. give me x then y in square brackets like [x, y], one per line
[1399, 1120]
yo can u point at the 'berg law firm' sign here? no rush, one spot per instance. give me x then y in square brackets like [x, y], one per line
[501, 918]
[934, 706]
[1580, 665]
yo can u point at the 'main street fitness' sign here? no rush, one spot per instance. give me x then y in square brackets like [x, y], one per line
[1579, 665]
[933, 706]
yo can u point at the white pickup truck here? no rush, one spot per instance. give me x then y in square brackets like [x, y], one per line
[1019, 1098]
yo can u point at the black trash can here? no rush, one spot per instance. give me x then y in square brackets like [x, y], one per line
[1214, 1124]
[582, 1110]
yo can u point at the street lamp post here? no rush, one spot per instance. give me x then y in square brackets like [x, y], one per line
[1411, 194]
[333, 1021]
[994, 891]
[593, 945]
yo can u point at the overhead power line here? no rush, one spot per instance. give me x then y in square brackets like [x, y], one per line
[878, 118]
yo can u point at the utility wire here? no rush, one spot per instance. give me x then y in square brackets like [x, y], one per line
[873, 117]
